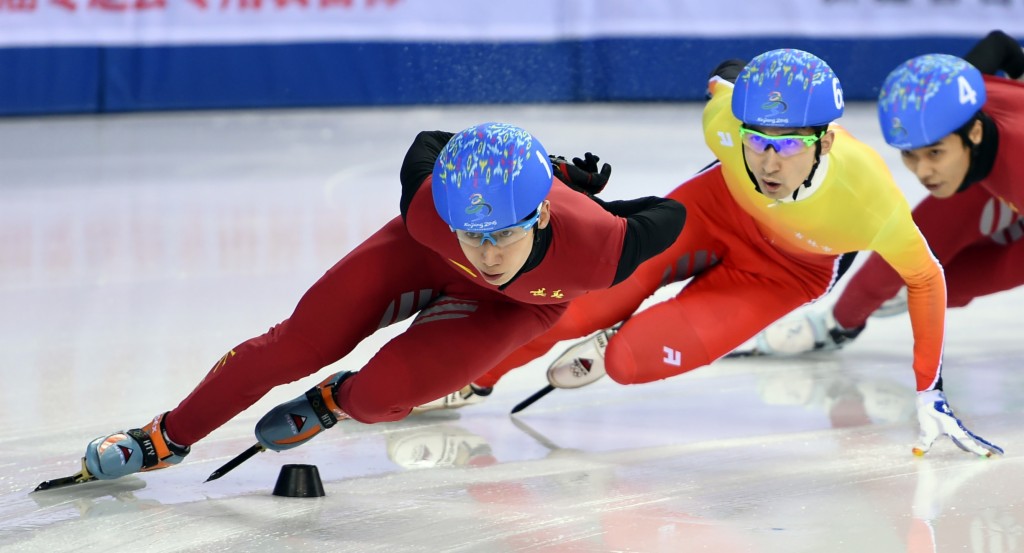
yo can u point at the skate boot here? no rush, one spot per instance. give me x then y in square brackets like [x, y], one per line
[471, 394]
[130, 451]
[815, 331]
[295, 422]
[582, 363]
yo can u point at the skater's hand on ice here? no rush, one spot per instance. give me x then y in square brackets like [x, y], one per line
[937, 419]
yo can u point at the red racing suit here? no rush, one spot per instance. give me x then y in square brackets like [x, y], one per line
[976, 234]
[463, 325]
[754, 260]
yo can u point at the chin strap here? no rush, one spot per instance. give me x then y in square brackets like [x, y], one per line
[810, 176]
[750, 174]
[817, 161]
[983, 154]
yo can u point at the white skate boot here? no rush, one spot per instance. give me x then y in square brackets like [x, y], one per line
[814, 331]
[582, 363]
[471, 394]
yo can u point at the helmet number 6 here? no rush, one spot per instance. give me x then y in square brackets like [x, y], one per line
[837, 93]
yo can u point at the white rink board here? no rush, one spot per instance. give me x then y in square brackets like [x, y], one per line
[161, 22]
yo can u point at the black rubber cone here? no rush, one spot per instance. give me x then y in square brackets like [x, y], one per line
[299, 481]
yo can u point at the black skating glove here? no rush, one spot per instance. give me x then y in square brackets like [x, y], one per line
[727, 70]
[582, 175]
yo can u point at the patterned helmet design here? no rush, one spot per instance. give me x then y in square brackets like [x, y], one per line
[787, 88]
[928, 97]
[489, 177]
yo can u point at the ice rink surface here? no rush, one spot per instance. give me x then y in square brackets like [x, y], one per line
[137, 249]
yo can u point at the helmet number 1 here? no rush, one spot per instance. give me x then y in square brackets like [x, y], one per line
[837, 93]
[967, 94]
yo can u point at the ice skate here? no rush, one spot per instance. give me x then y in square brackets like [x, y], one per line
[295, 422]
[582, 363]
[470, 394]
[130, 451]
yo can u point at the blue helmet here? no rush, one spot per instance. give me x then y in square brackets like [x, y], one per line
[489, 177]
[928, 97]
[787, 88]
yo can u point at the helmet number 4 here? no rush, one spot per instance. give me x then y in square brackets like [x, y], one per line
[967, 94]
[837, 93]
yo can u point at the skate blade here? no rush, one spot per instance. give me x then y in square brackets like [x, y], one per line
[79, 477]
[740, 354]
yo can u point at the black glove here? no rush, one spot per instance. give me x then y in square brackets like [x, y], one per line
[997, 52]
[582, 175]
[728, 70]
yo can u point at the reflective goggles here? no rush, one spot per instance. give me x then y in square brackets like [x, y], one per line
[785, 145]
[502, 237]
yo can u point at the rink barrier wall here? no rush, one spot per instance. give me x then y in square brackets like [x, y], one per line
[106, 79]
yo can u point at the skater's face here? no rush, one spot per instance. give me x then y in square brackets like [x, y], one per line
[780, 168]
[498, 264]
[941, 167]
